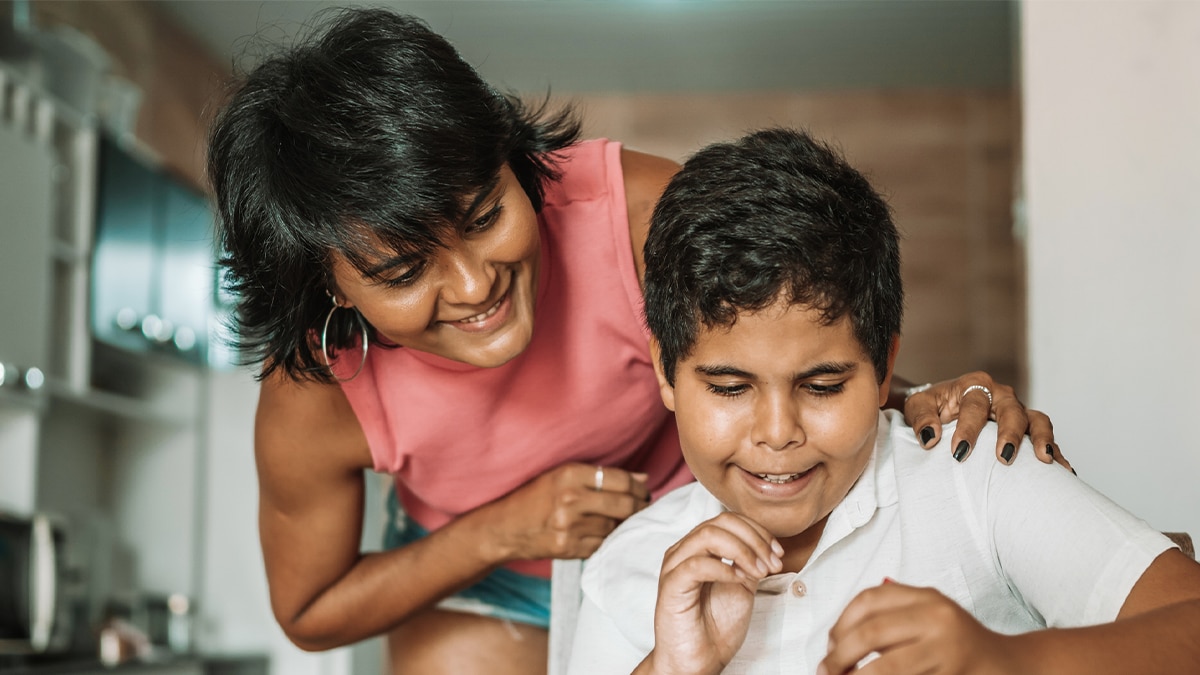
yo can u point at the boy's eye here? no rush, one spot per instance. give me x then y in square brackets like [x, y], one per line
[486, 220]
[817, 389]
[730, 390]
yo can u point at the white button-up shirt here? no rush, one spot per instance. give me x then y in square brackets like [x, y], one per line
[1020, 547]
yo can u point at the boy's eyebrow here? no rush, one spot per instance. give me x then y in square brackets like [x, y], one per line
[828, 368]
[722, 371]
[825, 368]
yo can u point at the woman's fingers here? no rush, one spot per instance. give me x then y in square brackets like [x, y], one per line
[923, 413]
[974, 410]
[612, 479]
[972, 400]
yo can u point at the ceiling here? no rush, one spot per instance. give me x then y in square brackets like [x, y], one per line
[672, 45]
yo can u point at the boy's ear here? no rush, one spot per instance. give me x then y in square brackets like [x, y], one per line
[886, 386]
[665, 390]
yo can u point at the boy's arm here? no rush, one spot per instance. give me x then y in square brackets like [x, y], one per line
[920, 630]
[1157, 631]
[1119, 597]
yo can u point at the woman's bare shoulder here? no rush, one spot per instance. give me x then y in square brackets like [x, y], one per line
[304, 430]
[646, 176]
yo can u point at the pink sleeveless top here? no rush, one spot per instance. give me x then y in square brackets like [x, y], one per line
[456, 436]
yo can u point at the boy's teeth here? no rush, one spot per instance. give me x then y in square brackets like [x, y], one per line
[778, 477]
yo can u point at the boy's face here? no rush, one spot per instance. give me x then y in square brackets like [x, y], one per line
[777, 415]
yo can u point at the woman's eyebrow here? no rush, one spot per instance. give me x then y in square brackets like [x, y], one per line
[379, 269]
[484, 192]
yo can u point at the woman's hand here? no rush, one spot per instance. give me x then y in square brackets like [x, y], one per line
[706, 594]
[566, 512]
[966, 399]
[894, 628]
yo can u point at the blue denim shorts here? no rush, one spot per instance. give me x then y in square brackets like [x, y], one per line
[503, 594]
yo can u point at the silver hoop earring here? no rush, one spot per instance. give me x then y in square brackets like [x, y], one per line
[362, 324]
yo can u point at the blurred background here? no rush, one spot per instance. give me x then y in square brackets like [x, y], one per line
[1039, 157]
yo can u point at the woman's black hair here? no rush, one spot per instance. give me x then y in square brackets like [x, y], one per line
[772, 213]
[365, 139]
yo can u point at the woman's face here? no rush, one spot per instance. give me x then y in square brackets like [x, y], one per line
[472, 301]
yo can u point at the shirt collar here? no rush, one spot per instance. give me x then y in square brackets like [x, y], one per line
[874, 489]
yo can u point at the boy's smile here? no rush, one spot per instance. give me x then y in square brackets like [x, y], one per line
[777, 417]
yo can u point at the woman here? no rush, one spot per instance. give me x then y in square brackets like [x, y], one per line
[444, 285]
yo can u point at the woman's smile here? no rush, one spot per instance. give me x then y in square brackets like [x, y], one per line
[488, 320]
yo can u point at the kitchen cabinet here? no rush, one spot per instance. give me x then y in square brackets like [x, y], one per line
[154, 276]
[26, 180]
[110, 441]
[26, 177]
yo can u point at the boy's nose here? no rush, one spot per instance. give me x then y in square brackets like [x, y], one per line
[777, 423]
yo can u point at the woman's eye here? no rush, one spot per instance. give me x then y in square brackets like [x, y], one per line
[825, 389]
[729, 390]
[486, 220]
[407, 277]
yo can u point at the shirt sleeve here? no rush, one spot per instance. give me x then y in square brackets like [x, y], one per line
[600, 646]
[1070, 552]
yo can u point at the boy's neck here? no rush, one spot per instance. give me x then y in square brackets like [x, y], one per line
[799, 548]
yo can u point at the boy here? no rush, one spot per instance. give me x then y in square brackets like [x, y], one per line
[774, 297]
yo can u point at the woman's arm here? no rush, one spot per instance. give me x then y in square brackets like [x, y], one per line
[311, 454]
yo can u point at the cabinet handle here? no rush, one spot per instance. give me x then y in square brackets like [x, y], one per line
[45, 571]
[11, 376]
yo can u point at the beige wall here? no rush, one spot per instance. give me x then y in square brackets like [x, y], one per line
[1111, 104]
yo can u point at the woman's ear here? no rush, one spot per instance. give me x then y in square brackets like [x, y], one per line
[665, 390]
[885, 387]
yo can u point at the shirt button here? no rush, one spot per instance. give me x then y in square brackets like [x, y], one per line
[798, 589]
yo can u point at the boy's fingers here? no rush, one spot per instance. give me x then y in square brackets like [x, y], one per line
[690, 574]
[732, 539]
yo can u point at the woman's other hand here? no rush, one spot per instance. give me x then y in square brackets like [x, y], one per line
[566, 512]
[973, 399]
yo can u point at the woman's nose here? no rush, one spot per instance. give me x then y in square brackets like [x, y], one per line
[469, 279]
[777, 422]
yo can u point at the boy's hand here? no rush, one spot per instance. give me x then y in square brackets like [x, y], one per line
[966, 399]
[894, 628]
[706, 594]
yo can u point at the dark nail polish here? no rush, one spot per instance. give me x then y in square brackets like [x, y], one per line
[926, 435]
[1007, 453]
[1050, 450]
[960, 453]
